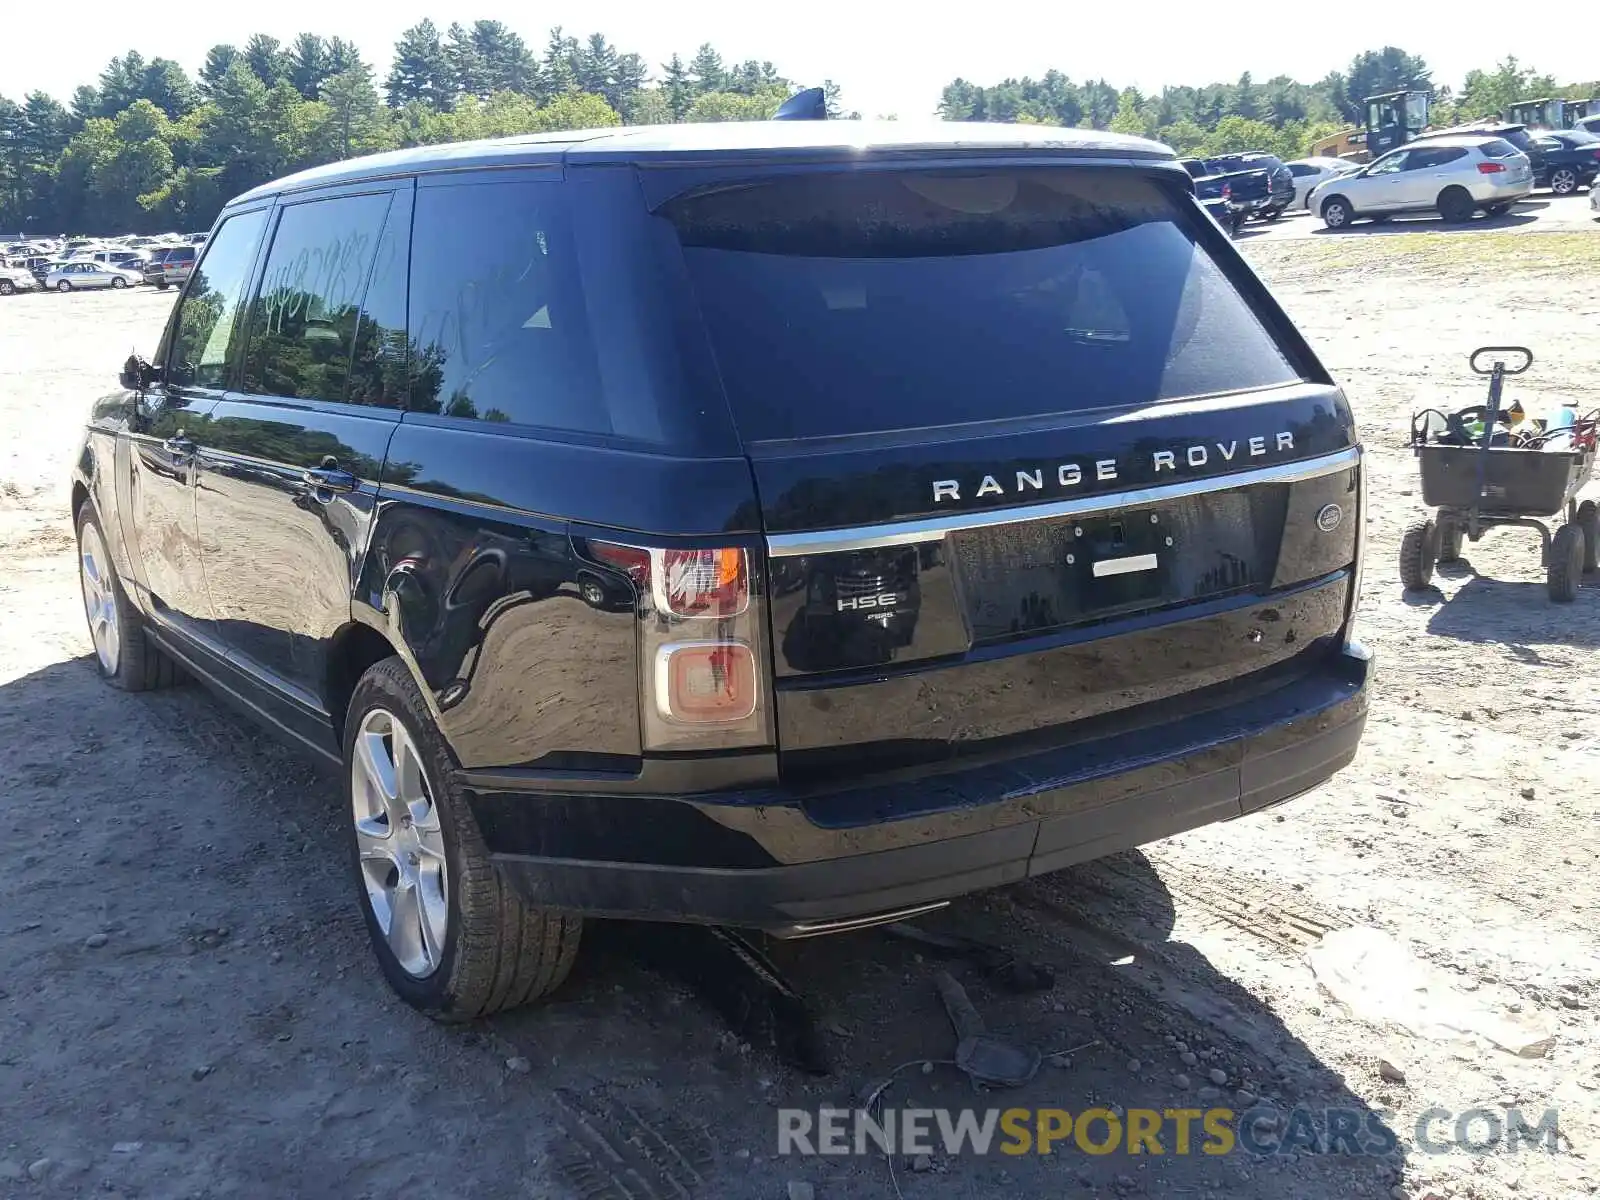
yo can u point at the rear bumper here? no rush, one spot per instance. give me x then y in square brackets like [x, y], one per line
[815, 863]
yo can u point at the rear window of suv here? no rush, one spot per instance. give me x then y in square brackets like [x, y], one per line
[1499, 148]
[848, 304]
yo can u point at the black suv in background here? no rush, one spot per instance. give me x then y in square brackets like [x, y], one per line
[789, 526]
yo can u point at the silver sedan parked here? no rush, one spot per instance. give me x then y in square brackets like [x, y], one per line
[1453, 176]
[69, 276]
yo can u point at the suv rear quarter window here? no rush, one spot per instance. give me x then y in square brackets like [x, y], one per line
[498, 323]
[1499, 148]
[847, 304]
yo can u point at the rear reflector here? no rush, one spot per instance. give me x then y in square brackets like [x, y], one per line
[703, 683]
[1490, 168]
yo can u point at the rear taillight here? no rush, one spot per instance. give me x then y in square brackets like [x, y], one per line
[702, 647]
[1597, 155]
[701, 583]
[1227, 191]
[1490, 168]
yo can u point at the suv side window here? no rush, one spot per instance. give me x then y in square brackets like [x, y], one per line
[1300, 170]
[303, 320]
[499, 327]
[1390, 163]
[1435, 156]
[209, 311]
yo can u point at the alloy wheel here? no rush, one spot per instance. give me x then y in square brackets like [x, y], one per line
[400, 843]
[1564, 182]
[99, 598]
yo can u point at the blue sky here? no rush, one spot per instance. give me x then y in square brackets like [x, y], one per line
[887, 58]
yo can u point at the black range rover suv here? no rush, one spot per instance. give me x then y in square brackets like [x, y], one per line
[790, 525]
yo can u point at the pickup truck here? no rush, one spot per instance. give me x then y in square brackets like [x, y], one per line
[1216, 197]
[1258, 184]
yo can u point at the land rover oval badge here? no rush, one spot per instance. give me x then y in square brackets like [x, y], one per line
[1330, 516]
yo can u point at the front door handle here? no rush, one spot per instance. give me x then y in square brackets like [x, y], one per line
[331, 479]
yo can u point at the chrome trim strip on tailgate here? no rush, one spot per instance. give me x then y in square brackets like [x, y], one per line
[934, 529]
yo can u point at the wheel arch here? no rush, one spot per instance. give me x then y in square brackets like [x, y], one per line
[352, 651]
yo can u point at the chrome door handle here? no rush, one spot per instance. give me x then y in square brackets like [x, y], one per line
[331, 479]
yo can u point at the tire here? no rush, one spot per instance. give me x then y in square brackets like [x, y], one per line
[1563, 181]
[1450, 536]
[1236, 224]
[1566, 564]
[118, 282]
[7, 288]
[1419, 552]
[1272, 214]
[1456, 205]
[1337, 212]
[1588, 520]
[63, 285]
[124, 657]
[162, 284]
[1498, 210]
[487, 949]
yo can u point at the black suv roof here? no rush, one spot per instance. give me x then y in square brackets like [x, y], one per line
[782, 140]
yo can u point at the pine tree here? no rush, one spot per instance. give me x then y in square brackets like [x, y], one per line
[308, 64]
[679, 88]
[218, 59]
[503, 58]
[264, 57]
[466, 70]
[421, 70]
[707, 72]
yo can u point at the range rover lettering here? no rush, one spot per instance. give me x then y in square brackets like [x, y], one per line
[790, 526]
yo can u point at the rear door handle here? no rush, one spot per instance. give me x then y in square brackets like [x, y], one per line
[331, 479]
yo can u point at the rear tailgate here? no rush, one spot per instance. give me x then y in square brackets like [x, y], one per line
[1026, 456]
[1250, 186]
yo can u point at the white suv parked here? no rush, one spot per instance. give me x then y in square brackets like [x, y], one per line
[1453, 176]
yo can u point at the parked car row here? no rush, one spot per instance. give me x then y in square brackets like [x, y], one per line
[1487, 166]
[56, 264]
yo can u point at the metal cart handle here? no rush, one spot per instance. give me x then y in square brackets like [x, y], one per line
[1527, 356]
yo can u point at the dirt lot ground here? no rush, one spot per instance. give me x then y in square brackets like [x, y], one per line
[187, 1005]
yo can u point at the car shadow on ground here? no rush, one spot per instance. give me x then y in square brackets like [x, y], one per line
[1128, 1005]
[635, 1077]
[1428, 223]
[1513, 613]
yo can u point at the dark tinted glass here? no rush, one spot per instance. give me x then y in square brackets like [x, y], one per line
[1433, 156]
[378, 365]
[849, 304]
[209, 313]
[303, 321]
[1499, 149]
[498, 320]
[1299, 170]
